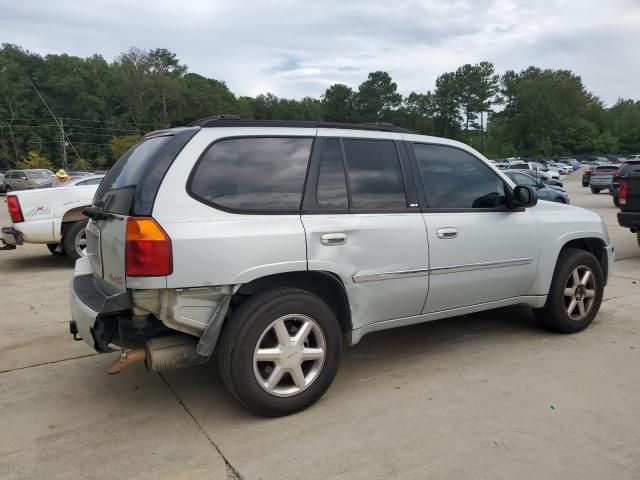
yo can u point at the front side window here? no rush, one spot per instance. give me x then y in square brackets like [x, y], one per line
[455, 179]
[19, 175]
[262, 174]
[375, 175]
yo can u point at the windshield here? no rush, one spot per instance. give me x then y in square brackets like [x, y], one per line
[39, 174]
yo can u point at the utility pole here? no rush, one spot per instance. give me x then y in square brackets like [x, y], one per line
[63, 144]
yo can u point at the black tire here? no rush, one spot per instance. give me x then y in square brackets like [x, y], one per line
[616, 201]
[240, 338]
[595, 191]
[69, 240]
[53, 249]
[7, 189]
[554, 314]
[638, 238]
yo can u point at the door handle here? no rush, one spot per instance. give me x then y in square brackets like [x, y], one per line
[448, 232]
[330, 239]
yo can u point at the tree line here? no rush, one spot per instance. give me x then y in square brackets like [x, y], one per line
[95, 110]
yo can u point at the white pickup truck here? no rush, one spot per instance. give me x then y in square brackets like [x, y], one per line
[51, 216]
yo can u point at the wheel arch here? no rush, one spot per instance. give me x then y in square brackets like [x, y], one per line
[325, 285]
[70, 216]
[549, 256]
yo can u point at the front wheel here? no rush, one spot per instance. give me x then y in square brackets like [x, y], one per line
[595, 191]
[75, 240]
[280, 351]
[575, 294]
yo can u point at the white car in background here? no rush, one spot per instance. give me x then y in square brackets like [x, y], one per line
[51, 216]
[560, 167]
[536, 170]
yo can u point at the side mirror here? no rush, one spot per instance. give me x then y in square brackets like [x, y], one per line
[524, 197]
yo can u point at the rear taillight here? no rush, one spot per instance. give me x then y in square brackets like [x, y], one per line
[147, 249]
[622, 195]
[15, 212]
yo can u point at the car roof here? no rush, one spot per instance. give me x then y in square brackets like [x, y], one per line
[235, 121]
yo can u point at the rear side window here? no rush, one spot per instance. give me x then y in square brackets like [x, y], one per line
[262, 174]
[332, 183]
[375, 175]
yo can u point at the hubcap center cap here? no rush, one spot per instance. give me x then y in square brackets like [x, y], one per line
[580, 292]
[291, 356]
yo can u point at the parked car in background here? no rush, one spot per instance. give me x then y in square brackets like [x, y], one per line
[2, 186]
[602, 178]
[26, 179]
[627, 167]
[537, 170]
[560, 167]
[259, 242]
[633, 157]
[544, 191]
[51, 216]
[629, 199]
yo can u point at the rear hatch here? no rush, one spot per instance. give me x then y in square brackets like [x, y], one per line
[603, 176]
[128, 190]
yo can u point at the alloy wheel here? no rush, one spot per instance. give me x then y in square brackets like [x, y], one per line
[580, 292]
[289, 355]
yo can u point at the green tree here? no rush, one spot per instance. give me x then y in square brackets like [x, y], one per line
[377, 97]
[34, 160]
[120, 145]
[337, 103]
[446, 101]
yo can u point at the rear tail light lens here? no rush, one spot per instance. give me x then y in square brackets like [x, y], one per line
[15, 212]
[147, 249]
[624, 189]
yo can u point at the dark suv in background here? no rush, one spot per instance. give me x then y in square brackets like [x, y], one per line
[627, 167]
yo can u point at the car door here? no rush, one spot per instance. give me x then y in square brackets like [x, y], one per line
[363, 223]
[19, 180]
[479, 250]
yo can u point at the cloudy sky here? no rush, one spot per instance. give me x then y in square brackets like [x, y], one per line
[296, 48]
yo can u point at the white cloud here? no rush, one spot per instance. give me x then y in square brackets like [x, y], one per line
[296, 48]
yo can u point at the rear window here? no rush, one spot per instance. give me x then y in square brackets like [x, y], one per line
[607, 168]
[261, 174]
[116, 193]
[518, 166]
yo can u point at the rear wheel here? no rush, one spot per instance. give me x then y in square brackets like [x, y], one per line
[75, 240]
[616, 201]
[280, 351]
[595, 190]
[575, 294]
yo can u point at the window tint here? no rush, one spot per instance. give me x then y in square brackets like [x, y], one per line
[455, 179]
[375, 176]
[254, 174]
[522, 179]
[332, 185]
[116, 192]
[19, 175]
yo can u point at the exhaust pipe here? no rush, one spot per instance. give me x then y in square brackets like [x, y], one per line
[162, 353]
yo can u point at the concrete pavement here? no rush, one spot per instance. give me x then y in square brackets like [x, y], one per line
[483, 396]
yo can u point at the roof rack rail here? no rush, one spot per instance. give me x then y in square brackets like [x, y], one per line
[236, 121]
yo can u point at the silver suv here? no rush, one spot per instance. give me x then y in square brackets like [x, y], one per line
[270, 244]
[26, 179]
